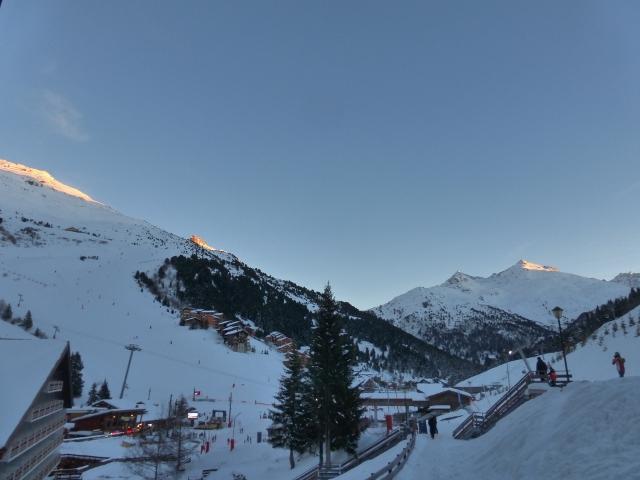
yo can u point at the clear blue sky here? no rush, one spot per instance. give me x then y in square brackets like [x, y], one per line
[379, 145]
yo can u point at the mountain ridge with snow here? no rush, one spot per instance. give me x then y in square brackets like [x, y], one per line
[481, 317]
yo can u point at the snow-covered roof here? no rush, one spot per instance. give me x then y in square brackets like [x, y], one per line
[232, 332]
[106, 411]
[24, 367]
[9, 331]
[394, 395]
[430, 389]
[118, 403]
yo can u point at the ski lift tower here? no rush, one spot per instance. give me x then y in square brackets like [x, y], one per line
[132, 348]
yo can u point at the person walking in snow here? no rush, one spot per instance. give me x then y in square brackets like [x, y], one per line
[618, 361]
[553, 377]
[433, 426]
[541, 369]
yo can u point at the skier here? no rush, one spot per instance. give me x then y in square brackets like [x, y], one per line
[433, 426]
[541, 369]
[553, 377]
[618, 361]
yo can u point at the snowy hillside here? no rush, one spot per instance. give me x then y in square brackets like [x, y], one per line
[587, 430]
[591, 361]
[70, 261]
[476, 317]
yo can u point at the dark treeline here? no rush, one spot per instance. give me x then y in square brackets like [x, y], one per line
[238, 290]
[584, 326]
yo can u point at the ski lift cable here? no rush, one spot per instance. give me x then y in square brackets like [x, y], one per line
[161, 355]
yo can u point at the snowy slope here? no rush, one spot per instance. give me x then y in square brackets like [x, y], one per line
[589, 430]
[71, 261]
[591, 361]
[513, 306]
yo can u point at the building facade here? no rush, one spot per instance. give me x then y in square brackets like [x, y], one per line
[33, 407]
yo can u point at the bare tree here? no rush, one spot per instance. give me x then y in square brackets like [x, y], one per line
[162, 452]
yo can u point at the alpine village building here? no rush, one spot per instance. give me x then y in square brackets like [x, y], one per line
[36, 379]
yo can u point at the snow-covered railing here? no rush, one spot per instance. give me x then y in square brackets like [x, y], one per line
[367, 453]
[392, 468]
[478, 423]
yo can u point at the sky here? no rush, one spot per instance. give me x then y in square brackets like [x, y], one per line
[377, 145]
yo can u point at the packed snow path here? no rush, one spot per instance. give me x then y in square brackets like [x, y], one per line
[588, 430]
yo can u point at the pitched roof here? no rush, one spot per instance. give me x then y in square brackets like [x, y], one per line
[430, 389]
[25, 364]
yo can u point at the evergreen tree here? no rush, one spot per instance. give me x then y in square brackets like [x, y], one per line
[27, 323]
[104, 393]
[77, 383]
[93, 394]
[337, 405]
[7, 313]
[290, 417]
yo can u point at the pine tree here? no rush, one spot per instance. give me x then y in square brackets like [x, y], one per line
[77, 383]
[7, 313]
[27, 323]
[104, 393]
[290, 417]
[93, 394]
[336, 404]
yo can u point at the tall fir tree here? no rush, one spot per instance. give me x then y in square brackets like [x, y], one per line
[93, 394]
[104, 393]
[27, 323]
[290, 417]
[77, 383]
[7, 313]
[337, 403]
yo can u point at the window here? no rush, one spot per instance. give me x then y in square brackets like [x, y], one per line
[55, 386]
[45, 409]
[23, 443]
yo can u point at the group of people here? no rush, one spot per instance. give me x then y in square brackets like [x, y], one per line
[546, 372]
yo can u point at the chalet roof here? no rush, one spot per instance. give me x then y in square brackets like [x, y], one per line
[100, 412]
[116, 403]
[232, 332]
[431, 389]
[393, 395]
[25, 365]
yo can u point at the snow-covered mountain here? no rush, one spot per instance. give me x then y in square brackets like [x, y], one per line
[71, 261]
[477, 317]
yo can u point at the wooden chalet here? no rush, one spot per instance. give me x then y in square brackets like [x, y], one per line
[438, 394]
[199, 318]
[277, 339]
[109, 416]
[37, 388]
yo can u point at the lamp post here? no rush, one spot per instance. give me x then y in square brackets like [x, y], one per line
[557, 312]
[508, 374]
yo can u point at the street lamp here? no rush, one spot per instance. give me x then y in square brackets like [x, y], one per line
[508, 375]
[557, 312]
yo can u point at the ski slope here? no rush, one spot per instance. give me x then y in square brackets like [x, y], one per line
[71, 261]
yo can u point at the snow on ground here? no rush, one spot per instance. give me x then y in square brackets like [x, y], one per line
[369, 467]
[250, 459]
[589, 362]
[588, 430]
